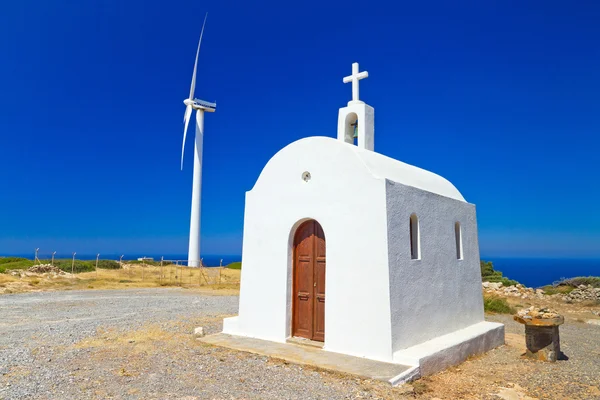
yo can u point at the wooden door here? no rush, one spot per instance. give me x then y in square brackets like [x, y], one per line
[308, 303]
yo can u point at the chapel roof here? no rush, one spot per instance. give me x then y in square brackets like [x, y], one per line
[377, 164]
[406, 174]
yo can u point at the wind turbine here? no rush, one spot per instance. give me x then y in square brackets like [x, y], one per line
[200, 106]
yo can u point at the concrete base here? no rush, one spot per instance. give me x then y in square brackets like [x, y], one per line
[316, 357]
[442, 352]
[421, 360]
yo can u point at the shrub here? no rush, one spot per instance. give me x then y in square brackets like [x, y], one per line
[80, 265]
[235, 265]
[108, 264]
[15, 263]
[579, 280]
[489, 274]
[550, 290]
[497, 305]
[6, 260]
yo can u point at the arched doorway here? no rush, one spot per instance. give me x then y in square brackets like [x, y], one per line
[308, 302]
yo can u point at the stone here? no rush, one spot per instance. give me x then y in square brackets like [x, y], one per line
[541, 333]
[199, 332]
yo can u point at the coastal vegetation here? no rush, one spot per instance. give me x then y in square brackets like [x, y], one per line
[489, 274]
[497, 305]
[65, 264]
[14, 263]
[594, 281]
[567, 285]
[235, 265]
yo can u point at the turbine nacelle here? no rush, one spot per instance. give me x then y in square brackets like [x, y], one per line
[198, 104]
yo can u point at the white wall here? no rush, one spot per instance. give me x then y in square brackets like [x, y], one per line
[349, 203]
[437, 294]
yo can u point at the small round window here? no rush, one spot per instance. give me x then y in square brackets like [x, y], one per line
[306, 176]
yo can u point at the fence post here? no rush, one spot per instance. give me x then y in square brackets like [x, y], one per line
[73, 264]
[161, 269]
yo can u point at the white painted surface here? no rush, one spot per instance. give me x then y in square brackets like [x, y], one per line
[365, 115]
[407, 376]
[453, 348]
[409, 175]
[354, 78]
[194, 244]
[379, 301]
[437, 293]
[365, 314]
[357, 112]
[279, 202]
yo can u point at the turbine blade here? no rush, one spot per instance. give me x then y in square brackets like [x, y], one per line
[193, 86]
[186, 120]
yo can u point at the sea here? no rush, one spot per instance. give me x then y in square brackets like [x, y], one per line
[536, 272]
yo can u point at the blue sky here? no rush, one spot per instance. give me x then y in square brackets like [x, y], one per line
[501, 98]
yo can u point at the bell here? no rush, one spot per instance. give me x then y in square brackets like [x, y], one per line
[355, 129]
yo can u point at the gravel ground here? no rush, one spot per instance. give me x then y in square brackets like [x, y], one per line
[137, 344]
[575, 378]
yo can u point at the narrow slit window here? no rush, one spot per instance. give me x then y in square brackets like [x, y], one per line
[458, 239]
[415, 246]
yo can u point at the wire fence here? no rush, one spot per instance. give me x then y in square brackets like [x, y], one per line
[163, 272]
[173, 272]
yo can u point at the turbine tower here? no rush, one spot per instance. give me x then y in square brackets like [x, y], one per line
[200, 106]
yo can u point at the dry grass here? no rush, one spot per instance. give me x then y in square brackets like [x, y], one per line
[222, 280]
[140, 340]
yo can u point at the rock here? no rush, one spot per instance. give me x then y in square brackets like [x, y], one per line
[593, 321]
[582, 293]
[199, 332]
[539, 313]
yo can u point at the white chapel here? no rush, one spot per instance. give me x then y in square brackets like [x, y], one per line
[365, 254]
